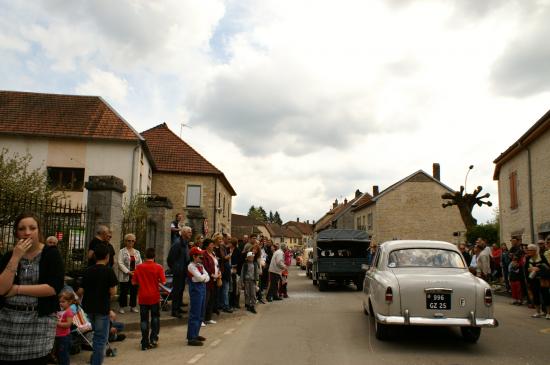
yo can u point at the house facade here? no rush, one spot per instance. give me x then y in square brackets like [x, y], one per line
[244, 225]
[196, 188]
[73, 137]
[523, 175]
[304, 230]
[410, 209]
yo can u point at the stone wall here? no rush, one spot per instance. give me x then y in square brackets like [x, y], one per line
[174, 187]
[517, 222]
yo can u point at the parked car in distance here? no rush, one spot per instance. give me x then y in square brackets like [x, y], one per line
[425, 283]
[305, 256]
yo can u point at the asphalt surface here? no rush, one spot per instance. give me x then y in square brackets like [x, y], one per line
[312, 327]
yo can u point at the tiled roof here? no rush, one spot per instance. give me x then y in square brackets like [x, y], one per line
[244, 220]
[363, 201]
[304, 228]
[292, 232]
[275, 230]
[62, 116]
[171, 154]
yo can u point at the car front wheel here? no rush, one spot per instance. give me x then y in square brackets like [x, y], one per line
[470, 334]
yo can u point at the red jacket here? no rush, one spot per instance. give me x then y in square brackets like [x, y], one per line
[210, 266]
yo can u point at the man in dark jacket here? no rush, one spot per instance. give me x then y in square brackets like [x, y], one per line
[178, 259]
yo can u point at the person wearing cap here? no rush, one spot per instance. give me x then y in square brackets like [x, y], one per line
[250, 275]
[197, 277]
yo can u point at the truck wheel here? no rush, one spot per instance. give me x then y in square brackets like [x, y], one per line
[314, 279]
[470, 334]
[323, 285]
[381, 331]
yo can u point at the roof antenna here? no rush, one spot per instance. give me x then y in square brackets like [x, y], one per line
[183, 125]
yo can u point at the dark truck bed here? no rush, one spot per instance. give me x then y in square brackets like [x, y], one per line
[338, 256]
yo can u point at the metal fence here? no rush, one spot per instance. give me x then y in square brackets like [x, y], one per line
[72, 226]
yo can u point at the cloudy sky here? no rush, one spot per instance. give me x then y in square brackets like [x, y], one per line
[300, 102]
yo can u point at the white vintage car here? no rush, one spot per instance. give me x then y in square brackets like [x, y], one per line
[425, 283]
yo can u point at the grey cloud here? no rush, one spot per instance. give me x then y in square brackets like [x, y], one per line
[262, 113]
[523, 69]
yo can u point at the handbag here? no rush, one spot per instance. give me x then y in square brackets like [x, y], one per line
[219, 282]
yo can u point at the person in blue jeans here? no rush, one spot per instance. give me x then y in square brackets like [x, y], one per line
[99, 285]
[197, 277]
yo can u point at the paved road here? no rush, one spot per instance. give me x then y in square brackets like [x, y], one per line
[330, 328]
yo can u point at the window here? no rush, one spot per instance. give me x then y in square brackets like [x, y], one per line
[66, 178]
[369, 221]
[224, 205]
[358, 223]
[193, 196]
[513, 190]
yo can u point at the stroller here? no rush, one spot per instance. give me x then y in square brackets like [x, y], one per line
[82, 329]
[166, 292]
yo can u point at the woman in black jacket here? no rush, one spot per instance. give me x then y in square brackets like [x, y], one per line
[31, 276]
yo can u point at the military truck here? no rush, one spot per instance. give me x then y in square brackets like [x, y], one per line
[338, 256]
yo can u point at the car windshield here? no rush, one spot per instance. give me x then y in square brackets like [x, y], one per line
[425, 257]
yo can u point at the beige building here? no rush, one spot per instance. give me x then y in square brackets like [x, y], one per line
[410, 209]
[303, 229]
[523, 174]
[244, 225]
[73, 137]
[196, 187]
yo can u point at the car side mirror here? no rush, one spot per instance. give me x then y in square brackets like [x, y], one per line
[365, 267]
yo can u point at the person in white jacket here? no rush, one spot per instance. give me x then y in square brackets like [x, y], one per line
[197, 277]
[276, 267]
[128, 259]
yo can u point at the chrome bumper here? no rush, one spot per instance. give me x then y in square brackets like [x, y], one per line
[406, 319]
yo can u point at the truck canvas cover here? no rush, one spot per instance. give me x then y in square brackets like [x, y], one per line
[343, 235]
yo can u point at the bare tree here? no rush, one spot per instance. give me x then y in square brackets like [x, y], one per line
[466, 203]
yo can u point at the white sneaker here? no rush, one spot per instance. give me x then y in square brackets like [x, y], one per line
[547, 316]
[211, 322]
[134, 309]
[203, 324]
[538, 315]
[121, 311]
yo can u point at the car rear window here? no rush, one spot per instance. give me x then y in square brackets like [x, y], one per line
[425, 257]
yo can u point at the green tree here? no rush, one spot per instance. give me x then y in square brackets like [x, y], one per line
[262, 213]
[489, 231]
[253, 212]
[277, 219]
[270, 217]
[19, 180]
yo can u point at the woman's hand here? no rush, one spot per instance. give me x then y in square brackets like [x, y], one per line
[22, 247]
[13, 291]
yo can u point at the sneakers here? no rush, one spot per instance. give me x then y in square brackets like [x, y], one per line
[537, 315]
[121, 311]
[547, 316]
[134, 309]
[203, 324]
[194, 342]
[252, 310]
[211, 322]
[200, 338]
[227, 310]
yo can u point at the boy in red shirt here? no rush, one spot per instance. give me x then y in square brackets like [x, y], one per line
[148, 275]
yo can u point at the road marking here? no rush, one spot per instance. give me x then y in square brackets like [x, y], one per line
[195, 358]
[301, 274]
[229, 331]
[215, 343]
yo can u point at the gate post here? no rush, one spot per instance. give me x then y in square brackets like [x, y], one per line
[159, 217]
[105, 204]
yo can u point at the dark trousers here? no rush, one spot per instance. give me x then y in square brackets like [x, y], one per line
[126, 288]
[178, 287]
[274, 280]
[211, 301]
[235, 293]
[62, 348]
[149, 330]
[197, 296]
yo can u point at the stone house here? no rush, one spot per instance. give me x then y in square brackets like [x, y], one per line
[410, 209]
[303, 229]
[244, 225]
[523, 175]
[341, 216]
[196, 188]
[73, 137]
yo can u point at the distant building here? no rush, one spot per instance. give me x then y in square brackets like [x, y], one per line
[410, 209]
[303, 229]
[244, 225]
[523, 175]
[196, 187]
[73, 137]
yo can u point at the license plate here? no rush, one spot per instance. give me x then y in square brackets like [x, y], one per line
[438, 301]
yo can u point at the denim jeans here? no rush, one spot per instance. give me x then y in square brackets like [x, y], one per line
[149, 333]
[223, 295]
[100, 325]
[62, 349]
[197, 296]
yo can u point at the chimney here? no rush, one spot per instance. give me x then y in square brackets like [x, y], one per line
[437, 172]
[298, 219]
[375, 190]
[335, 204]
[358, 193]
[345, 201]
[307, 221]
